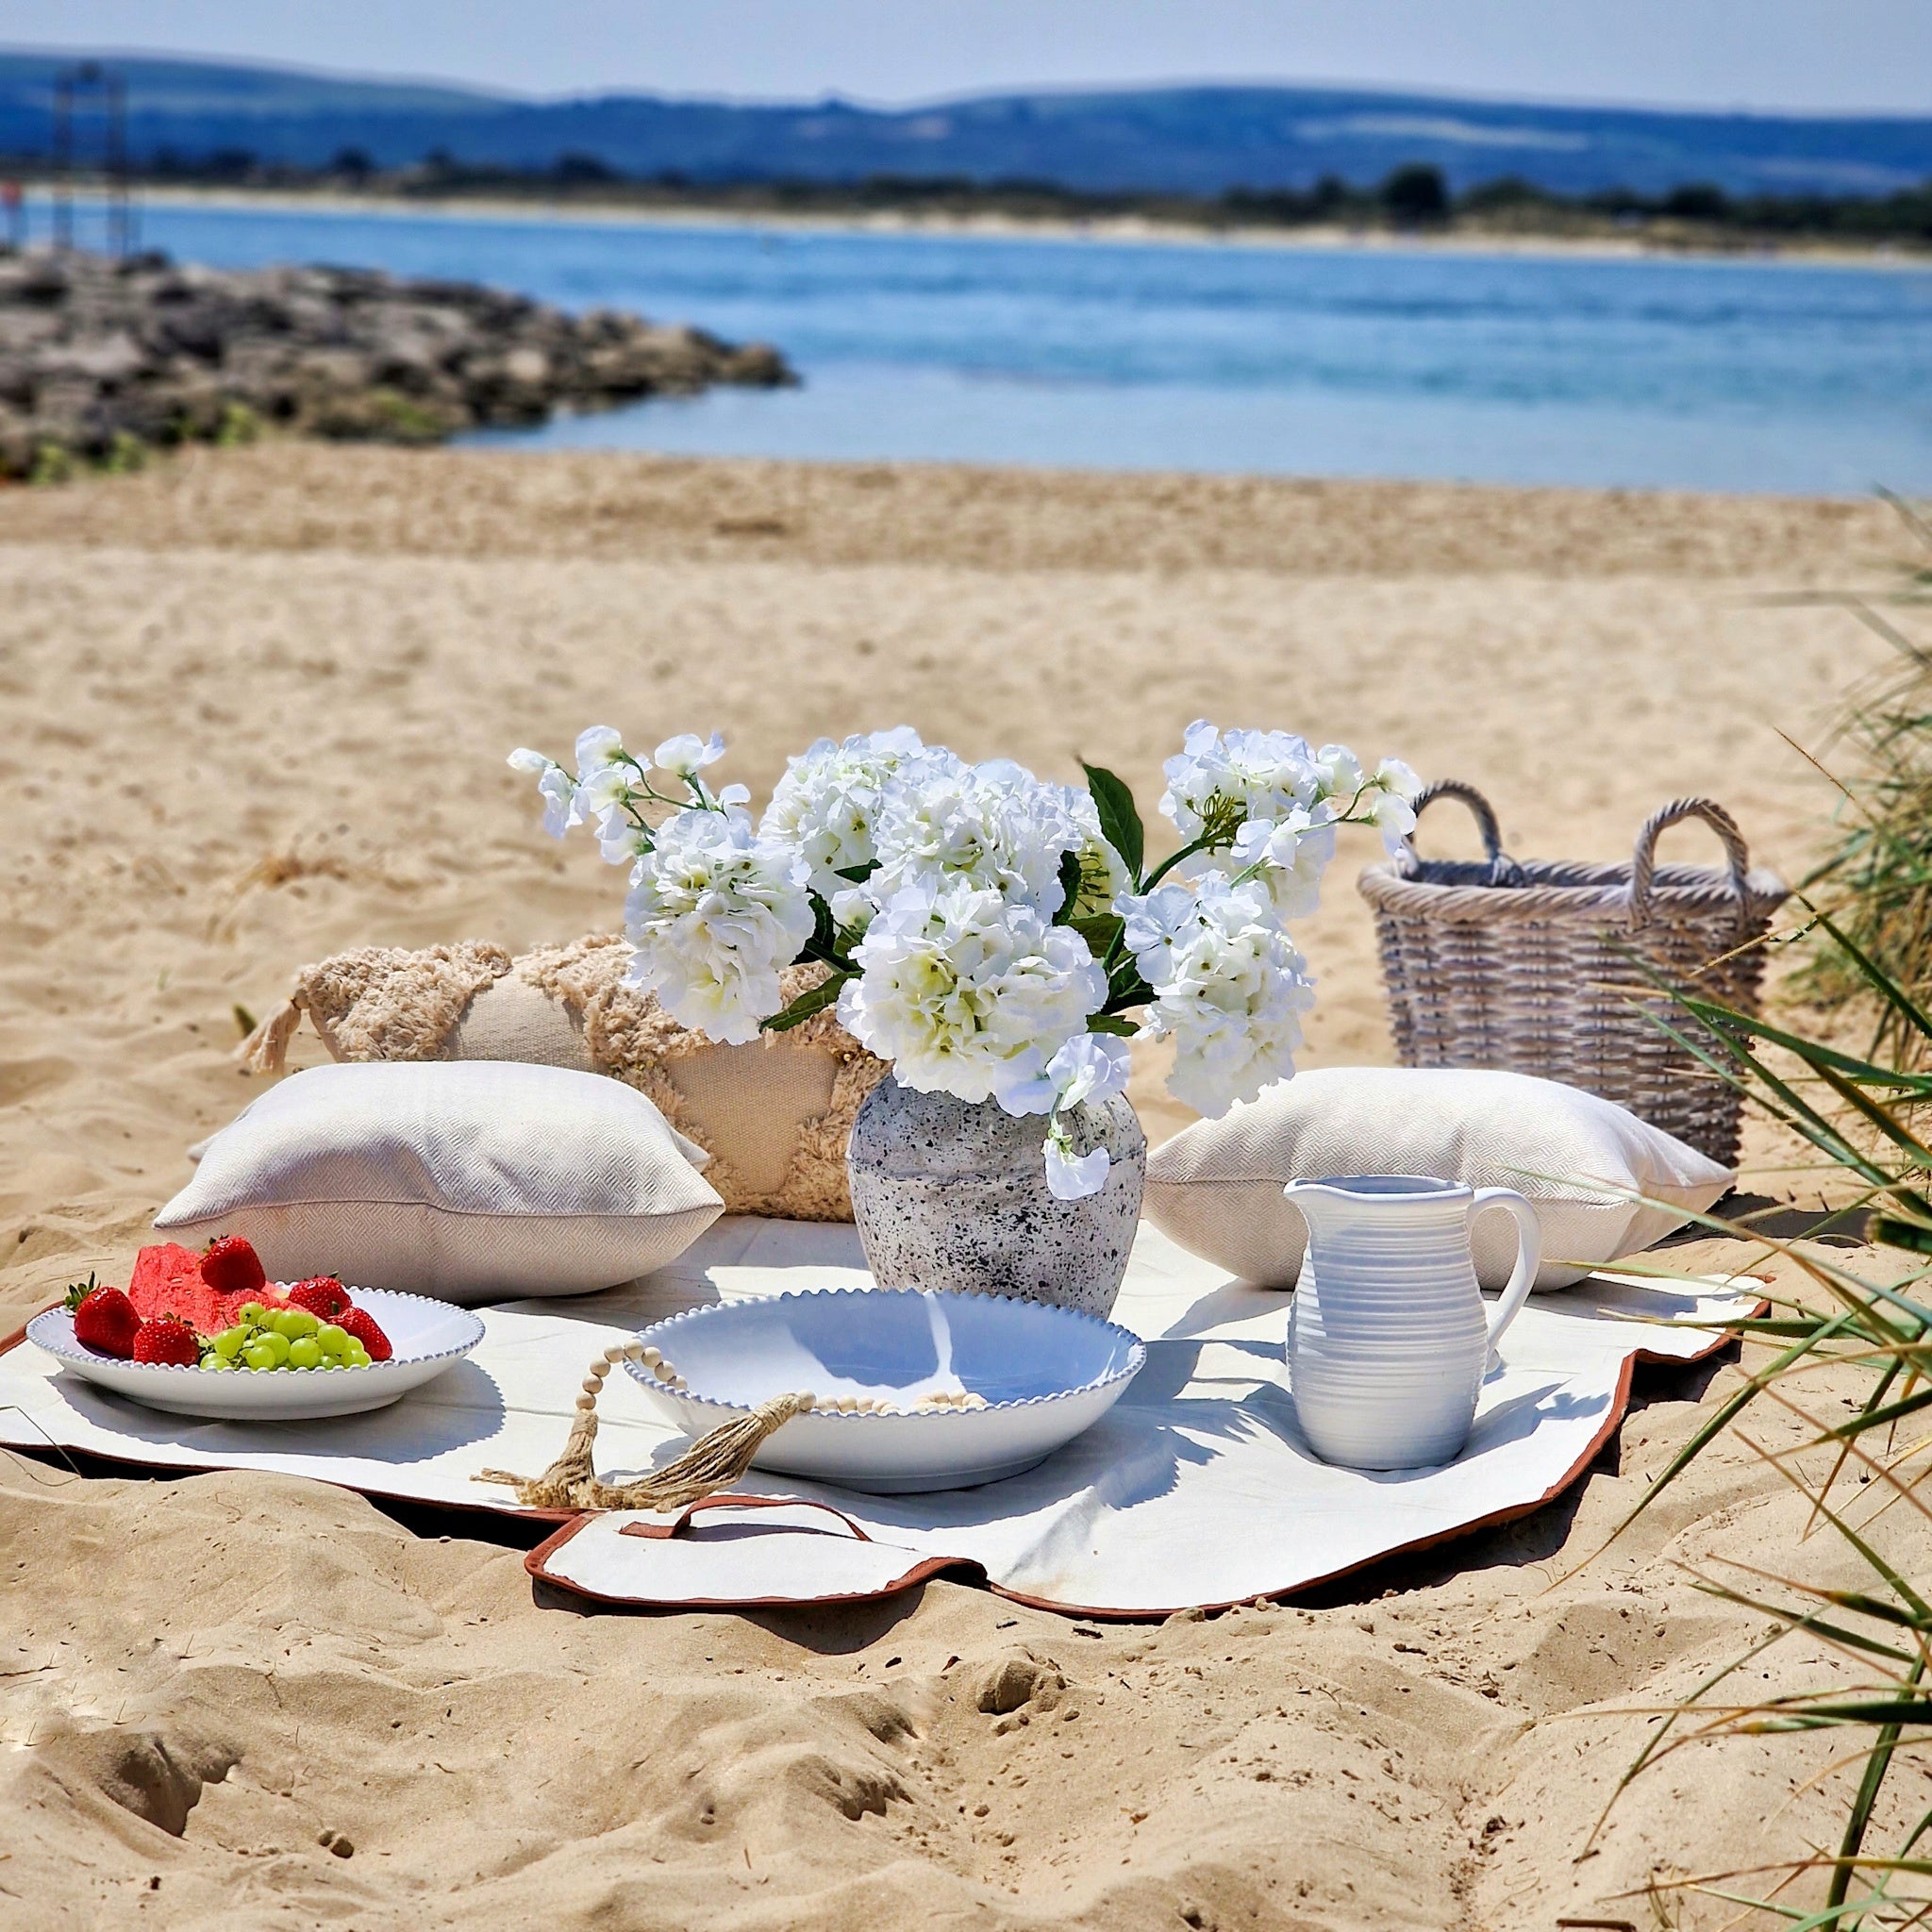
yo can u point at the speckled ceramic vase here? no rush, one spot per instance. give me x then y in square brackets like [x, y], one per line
[951, 1195]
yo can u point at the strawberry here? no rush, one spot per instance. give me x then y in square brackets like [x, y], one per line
[230, 1266]
[361, 1324]
[322, 1295]
[104, 1319]
[169, 1340]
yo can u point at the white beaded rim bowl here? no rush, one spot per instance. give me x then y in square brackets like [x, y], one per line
[1043, 1377]
[428, 1337]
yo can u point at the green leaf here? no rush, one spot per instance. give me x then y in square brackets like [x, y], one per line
[1125, 988]
[807, 1003]
[1120, 821]
[1070, 888]
[1115, 1024]
[1100, 930]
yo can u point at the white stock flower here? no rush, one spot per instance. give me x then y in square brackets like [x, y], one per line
[558, 789]
[1294, 853]
[1223, 778]
[828, 800]
[1228, 987]
[598, 747]
[604, 788]
[1396, 790]
[1341, 773]
[968, 994]
[612, 795]
[1091, 1066]
[714, 912]
[620, 842]
[687, 755]
[1072, 1176]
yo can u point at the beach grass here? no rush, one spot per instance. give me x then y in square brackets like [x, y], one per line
[1878, 875]
[1865, 1116]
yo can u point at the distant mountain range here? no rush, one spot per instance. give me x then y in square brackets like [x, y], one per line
[1198, 140]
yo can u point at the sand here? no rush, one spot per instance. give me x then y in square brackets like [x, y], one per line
[258, 704]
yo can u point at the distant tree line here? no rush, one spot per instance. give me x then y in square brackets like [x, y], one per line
[1414, 198]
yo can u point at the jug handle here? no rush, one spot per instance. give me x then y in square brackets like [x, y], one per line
[1530, 1253]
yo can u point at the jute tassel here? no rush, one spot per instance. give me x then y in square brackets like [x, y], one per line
[712, 1463]
[266, 1050]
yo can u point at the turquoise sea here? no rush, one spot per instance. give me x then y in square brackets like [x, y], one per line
[1731, 375]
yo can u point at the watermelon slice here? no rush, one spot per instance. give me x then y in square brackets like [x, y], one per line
[153, 1268]
[167, 1281]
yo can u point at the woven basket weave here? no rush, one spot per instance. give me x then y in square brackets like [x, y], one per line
[1540, 968]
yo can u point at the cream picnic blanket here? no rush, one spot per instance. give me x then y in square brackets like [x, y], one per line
[1197, 1489]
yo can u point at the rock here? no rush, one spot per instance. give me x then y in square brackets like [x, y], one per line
[94, 351]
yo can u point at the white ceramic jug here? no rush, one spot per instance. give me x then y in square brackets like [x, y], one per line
[1388, 1344]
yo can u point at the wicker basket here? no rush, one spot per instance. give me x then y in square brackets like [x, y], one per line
[1540, 968]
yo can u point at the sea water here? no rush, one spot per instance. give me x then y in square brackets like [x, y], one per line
[1374, 362]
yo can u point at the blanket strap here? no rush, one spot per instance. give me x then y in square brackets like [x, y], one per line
[713, 1462]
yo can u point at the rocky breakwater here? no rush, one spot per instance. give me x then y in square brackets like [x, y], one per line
[101, 360]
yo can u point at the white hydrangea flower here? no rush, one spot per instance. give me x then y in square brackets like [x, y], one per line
[994, 825]
[1294, 854]
[828, 800]
[969, 994]
[714, 912]
[1223, 778]
[556, 787]
[1230, 987]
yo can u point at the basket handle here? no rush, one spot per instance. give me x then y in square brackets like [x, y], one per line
[1644, 859]
[1503, 871]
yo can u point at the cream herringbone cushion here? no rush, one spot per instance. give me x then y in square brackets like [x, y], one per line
[475, 1180]
[1216, 1187]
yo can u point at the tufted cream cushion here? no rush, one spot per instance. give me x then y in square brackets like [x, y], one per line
[1216, 1187]
[477, 1180]
[774, 1115]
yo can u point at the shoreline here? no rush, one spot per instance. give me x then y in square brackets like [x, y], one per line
[1134, 230]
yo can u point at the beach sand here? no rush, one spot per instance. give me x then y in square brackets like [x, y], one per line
[257, 706]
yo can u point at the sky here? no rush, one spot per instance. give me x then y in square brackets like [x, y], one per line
[1842, 54]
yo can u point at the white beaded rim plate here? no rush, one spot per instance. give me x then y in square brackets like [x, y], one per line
[428, 1337]
[1033, 1377]
[661, 1334]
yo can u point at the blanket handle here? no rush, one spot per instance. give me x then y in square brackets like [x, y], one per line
[676, 1526]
